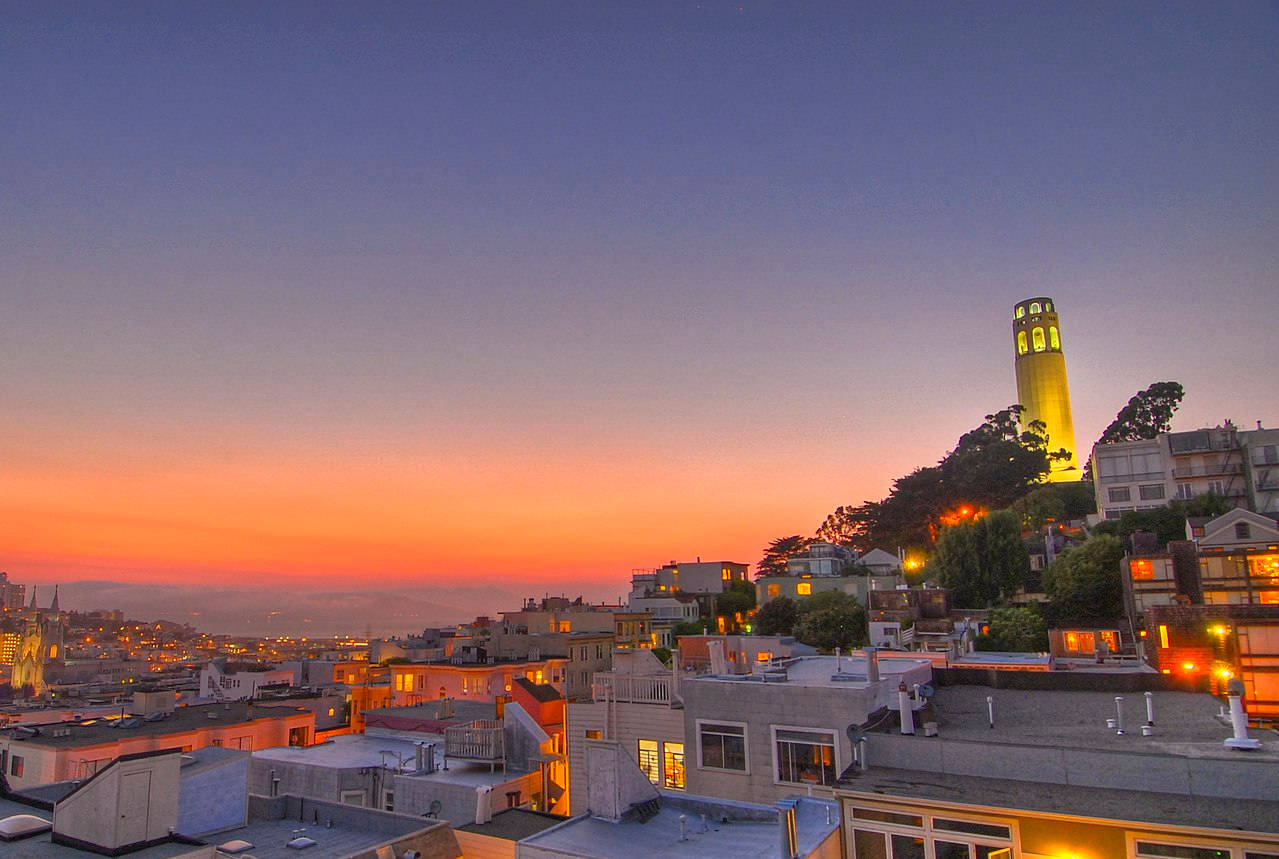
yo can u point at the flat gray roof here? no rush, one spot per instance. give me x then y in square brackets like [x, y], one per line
[703, 837]
[822, 671]
[1159, 809]
[1186, 723]
[98, 731]
[357, 751]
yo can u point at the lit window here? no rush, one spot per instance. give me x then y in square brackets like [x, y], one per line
[1037, 337]
[1163, 636]
[1021, 342]
[1035, 307]
[331, 711]
[1141, 569]
[1269, 597]
[805, 757]
[1048, 307]
[1021, 311]
[723, 747]
[673, 766]
[1112, 641]
[593, 734]
[1054, 339]
[804, 588]
[1072, 641]
[649, 761]
[724, 574]
[774, 591]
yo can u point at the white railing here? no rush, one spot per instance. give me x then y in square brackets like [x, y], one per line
[632, 688]
[480, 740]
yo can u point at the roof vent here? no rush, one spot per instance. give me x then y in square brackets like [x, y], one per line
[236, 845]
[18, 826]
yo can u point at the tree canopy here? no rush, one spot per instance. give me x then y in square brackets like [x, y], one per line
[1166, 523]
[777, 552]
[1146, 415]
[982, 562]
[990, 467]
[777, 617]
[1084, 582]
[1019, 629]
[831, 619]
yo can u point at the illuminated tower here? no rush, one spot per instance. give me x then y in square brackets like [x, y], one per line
[1041, 379]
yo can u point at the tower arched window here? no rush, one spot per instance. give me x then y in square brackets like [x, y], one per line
[1035, 307]
[1021, 311]
[1037, 338]
[1021, 342]
[1048, 307]
[1053, 339]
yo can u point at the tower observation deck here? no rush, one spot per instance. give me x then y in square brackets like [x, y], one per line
[1041, 379]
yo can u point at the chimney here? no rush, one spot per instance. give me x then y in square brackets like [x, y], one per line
[872, 664]
[787, 829]
[1239, 719]
[718, 663]
[904, 710]
[483, 807]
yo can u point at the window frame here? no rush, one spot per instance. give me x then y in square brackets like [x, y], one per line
[746, 749]
[1235, 849]
[835, 756]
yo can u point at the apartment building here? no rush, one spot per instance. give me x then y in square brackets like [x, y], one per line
[1241, 466]
[416, 682]
[630, 629]
[222, 680]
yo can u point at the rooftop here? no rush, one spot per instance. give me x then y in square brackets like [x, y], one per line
[360, 751]
[825, 671]
[750, 831]
[515, 824]
[1187, 723]
[100, 731]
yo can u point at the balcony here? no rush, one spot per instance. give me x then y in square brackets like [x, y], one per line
[633, 689]
[1208, 470]
[481, 740]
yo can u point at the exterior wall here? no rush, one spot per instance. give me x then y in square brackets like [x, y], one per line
[771, 587]
[134, 802]
[477, 846]
[44, 764]
[215, 799]
[626, 723]
[1042, 835]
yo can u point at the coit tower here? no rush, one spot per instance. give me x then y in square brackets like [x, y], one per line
[1041, 379]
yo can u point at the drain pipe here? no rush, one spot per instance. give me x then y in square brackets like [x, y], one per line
[1119, 715]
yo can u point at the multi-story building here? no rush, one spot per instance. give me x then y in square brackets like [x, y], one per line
[631, 629]
[1241, 466]
[415, 682]
[748, 738]
[222, 680]
[12, 595]
[39, 754]
[584, 653]
[701, 579]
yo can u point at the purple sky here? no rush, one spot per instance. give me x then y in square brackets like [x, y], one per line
[546, 292]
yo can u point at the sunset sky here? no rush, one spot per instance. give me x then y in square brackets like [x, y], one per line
[470, 300]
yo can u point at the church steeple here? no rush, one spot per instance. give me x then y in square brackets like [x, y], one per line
[53, 606]
[33, 598]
